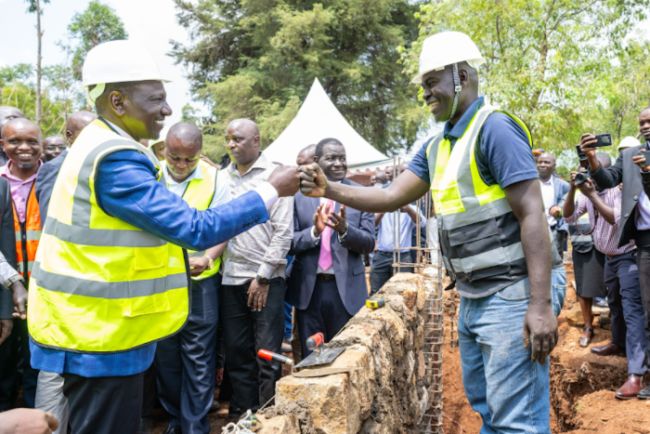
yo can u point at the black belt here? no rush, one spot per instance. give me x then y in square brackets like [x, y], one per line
[642, 238]
[325, 277]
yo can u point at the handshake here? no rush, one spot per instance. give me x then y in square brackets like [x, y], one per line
[309, 178]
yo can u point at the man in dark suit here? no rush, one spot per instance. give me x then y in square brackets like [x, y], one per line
[328, 282]
[48, 172]
[635, 210]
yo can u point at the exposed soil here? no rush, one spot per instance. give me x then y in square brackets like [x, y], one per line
[582, 385]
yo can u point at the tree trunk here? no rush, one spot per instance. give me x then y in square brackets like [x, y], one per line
[39, 72]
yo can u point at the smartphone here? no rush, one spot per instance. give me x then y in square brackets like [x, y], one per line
[581, 155]
[603, 140]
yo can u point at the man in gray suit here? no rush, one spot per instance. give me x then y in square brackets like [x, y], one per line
[635, 210]
[328, 284]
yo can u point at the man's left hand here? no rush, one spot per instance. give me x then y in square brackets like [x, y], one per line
[338, 222]
[198, 264]
[555, 211]
[540, 331]
[257, 295]
[587, 188]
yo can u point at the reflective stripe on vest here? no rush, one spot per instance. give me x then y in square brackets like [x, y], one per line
[198, 195]
[479, 234]
[100, 284]
[27, 234]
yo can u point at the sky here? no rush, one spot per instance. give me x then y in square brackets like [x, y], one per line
[150, 22]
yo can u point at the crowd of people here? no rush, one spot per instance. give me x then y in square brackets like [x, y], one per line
[153, 271]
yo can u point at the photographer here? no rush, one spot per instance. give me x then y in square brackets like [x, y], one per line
[588, 262]
[635, 209]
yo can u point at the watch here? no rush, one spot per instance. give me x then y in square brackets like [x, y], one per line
[262, 280]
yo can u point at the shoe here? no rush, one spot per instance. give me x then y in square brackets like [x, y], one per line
[587, 336]
[172, 429]
[286, 347]
[631, 388]
[601, 302]
[644, 393]
[611, 349]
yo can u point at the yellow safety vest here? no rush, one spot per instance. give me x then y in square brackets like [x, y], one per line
[479, 234]
[99, 284]
[198, 194]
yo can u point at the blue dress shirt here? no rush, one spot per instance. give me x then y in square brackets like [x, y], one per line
[126, 188]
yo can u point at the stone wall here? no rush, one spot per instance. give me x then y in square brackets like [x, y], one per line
[377, 385]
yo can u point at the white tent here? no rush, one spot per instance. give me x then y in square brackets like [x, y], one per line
[317, 119]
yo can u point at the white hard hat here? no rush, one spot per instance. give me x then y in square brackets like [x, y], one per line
[119, 61]
[447, 48]
[628, 142]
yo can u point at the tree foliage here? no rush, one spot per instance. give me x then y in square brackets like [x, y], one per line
[18, 89]
[563, 66]
[258, 58]
[98, 23]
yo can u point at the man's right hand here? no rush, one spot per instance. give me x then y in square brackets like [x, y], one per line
[320, 217]
[588, 145]
[20, 300]
[6, 326]
[27, 421]
[285, 179]
[313, 181]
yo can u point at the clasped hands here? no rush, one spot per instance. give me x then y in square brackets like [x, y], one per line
[309, 179]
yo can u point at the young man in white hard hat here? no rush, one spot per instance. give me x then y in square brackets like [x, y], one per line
[111, 277]
[493, 234]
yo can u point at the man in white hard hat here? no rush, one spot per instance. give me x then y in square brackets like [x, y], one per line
[628, 142]
[493, 234]
[111, 278]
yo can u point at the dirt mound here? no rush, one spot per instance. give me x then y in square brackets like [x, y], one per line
[582, 386]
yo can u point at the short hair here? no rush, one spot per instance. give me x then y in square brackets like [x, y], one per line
[327, 141]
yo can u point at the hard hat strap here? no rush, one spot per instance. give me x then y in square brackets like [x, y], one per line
[95, 93]
[457, 89]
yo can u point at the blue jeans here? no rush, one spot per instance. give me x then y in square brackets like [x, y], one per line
[502, 384]
[558, 288]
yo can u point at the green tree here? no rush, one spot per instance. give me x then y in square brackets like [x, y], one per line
[548, 61]
[258, 58]
[98, 23]
[35, 7]
[18, 89]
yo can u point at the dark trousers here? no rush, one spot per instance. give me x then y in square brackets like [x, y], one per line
[15, 368]
[325, 313]
[244, 333]
[626, 309]
[186, 362]
[643, 260]
[104, 405]
[381, 268]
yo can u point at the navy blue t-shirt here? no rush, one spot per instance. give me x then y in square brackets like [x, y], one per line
[504, 155]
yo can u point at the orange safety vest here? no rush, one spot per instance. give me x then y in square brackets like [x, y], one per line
[27, 234]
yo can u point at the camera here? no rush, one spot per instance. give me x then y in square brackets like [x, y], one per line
[580, 178]
[581, 155]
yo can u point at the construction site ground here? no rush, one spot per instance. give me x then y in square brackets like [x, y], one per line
[582, 384]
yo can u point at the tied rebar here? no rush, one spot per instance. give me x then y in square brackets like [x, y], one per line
[426, 260]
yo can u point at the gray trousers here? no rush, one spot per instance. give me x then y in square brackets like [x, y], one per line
[50, 397]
